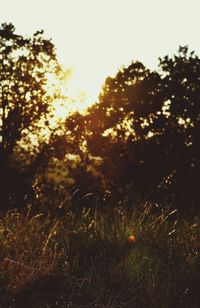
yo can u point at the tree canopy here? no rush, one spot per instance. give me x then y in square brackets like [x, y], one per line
[26, 65]
[145, 130]
[140, 138]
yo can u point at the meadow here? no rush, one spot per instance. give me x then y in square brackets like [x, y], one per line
[109, 258]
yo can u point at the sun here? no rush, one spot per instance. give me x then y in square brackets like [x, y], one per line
[83, 90]
[80, 93]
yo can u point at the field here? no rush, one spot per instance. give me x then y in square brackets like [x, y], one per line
[149, 258]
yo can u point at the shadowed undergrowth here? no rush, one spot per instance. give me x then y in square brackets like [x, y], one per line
[147, 259]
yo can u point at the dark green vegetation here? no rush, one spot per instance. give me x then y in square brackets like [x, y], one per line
[72, 194]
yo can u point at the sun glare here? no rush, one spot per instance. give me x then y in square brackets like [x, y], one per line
[80, 94]
[83, 90]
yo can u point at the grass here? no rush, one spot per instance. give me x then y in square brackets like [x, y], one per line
[148, 259]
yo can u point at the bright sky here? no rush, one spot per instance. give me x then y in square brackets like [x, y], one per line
[96, 37]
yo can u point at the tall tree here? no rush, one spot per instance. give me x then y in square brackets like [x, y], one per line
[181, 128]
[27, 64]
[145, 130]
[111, 127]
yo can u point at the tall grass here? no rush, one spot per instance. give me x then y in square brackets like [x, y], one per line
[113, 259]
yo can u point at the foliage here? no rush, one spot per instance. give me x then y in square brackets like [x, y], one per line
[27, 66]
[144, 131]
[140, 139]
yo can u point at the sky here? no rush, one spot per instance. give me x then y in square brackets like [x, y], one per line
[96, 37]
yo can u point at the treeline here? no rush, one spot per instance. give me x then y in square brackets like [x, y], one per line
[140, 140]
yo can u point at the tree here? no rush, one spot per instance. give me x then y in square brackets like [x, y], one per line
[145, 130]
[181, 128]
[25, 102]
[116, 123]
